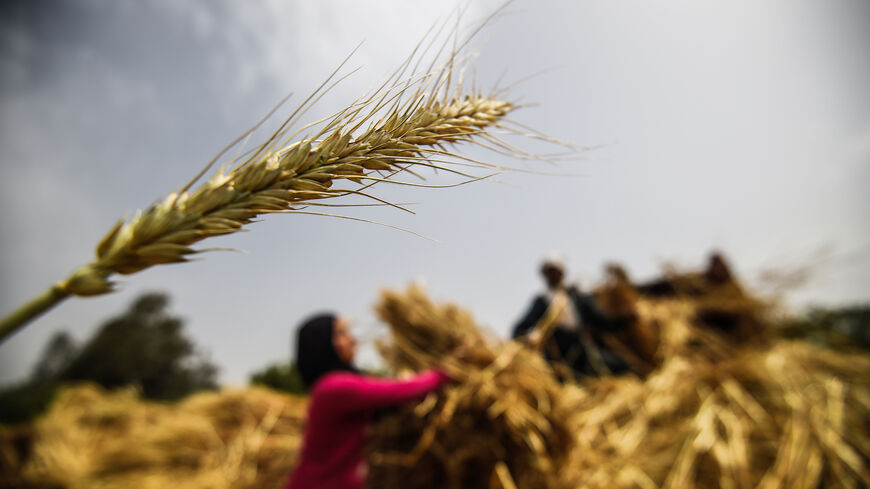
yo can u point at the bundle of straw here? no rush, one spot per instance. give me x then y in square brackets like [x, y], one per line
[503, 424]
[92, 438]
[711, 304]
[716, 414]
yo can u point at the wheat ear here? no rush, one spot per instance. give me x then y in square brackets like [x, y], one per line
[413, 121]
[416, 130]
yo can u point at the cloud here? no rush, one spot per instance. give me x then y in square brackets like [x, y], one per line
[296, 44]
[16, 49]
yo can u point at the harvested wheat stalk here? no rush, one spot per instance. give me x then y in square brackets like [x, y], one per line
[789, 416]
[503, 422]
[715, 413]
[92, 438]
[728, 405]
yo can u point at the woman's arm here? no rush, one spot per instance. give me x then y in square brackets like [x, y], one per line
[344, 392]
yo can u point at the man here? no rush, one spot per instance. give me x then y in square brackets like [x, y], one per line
[560, 322]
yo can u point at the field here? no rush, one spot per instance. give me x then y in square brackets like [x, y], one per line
[717, 400]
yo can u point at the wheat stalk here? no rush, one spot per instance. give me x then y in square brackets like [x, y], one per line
[412, 123]
[279, 181]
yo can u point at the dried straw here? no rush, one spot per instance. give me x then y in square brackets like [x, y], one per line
[503, 422]
[718, 411]
[96, 439]
[720, 414]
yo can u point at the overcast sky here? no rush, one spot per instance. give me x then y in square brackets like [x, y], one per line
[742, 126]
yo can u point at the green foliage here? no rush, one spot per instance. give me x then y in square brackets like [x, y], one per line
[846, 328]
[24, 401]
[143, 346]
[21, 402]
[282, 377]
[56, 358]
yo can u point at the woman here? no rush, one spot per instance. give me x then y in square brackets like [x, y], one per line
[341, 405]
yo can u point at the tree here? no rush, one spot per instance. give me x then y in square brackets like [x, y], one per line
[840, 328]
[282, 377]
[144, 346]
[55, 359]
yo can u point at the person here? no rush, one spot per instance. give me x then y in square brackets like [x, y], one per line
[561, 321]
[342, 402]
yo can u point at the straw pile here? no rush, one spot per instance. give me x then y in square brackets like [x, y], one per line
[92, 438]
[716, 414]
[725, 407]
[720, 409]
[503, 424]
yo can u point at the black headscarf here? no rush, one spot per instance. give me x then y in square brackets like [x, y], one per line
[315, 353]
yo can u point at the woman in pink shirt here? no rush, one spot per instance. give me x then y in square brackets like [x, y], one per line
[341, 405]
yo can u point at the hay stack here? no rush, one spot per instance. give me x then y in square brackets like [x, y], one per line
[718, 411]
[92, 438]
[720, 414]
[719, 308]
[503, 424]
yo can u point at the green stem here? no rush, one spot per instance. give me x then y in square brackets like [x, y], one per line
[28, 312]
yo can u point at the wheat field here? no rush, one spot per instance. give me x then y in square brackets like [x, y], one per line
[714, 409]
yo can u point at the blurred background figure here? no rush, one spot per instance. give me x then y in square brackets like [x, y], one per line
[341, 405]
[561, 322]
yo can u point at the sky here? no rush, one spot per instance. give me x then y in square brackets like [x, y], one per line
[738, 126]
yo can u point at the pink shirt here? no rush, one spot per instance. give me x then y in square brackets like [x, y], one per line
[340, 408]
